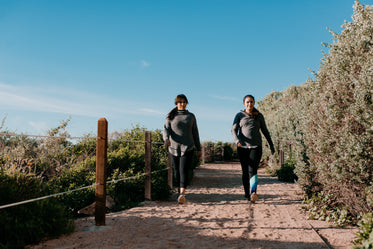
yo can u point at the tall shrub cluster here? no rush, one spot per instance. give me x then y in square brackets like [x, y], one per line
[340, 139]
[328, 119]
[218, 151]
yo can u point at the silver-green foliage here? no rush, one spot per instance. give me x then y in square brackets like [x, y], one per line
[328, 119]
[339, 126]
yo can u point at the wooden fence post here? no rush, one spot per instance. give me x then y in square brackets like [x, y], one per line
[212, 152]
[282, 157]
[101, 170]
[222, 152]
[170, 173]
[148, 167]
[278, 153]
[203, 154]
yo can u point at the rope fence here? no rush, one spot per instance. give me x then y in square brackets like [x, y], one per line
[45, 197]
[41, 136]
[101, 167]
[61, 137]
[74, 190]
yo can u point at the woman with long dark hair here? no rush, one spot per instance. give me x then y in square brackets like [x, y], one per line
[180, 133]
[246, 129]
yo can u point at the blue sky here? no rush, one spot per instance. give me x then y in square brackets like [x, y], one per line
[127, 60]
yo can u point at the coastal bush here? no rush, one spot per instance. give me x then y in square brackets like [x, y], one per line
[286, 172]
[339, 127]
[29, 223]
[325, 206]
[328, 121]
[228, 152]
[219, 151]
[364, 238]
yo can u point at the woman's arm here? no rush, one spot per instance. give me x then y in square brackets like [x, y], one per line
[195, 134]
[167, 132]
[236, 128]
[263, 128]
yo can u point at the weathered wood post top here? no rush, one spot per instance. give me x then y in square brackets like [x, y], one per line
[101, 171]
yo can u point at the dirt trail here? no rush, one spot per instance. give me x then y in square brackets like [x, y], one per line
[215, 216]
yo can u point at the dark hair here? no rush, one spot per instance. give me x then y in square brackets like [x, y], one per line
[179, 98]
[255, 112]
[248, 96]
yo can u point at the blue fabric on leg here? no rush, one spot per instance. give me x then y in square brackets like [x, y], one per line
[253, 183]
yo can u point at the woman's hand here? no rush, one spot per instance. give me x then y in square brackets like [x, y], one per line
[199, 154]
[273, 150]
[168, 142]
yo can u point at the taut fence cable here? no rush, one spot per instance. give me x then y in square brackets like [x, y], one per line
[45, 197]
[102, 145]
[74, 190]
[64, 137]
[41, 136]
[101, 164]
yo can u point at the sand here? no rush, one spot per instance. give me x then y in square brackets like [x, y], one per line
[216, 215]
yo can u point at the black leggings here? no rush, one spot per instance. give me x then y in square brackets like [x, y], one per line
[181, 166]
[249, 159]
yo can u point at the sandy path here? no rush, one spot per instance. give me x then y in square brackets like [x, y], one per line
[215, 216]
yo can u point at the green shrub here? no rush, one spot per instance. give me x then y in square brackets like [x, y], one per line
[286, 172]
[328, 119]
[339, 126]
[324, 206]
[73, 177]
[29, 223]
[57, 165]
[228, 152]
[218, 151]
[364, 238]
[160, 189]
[127, 193]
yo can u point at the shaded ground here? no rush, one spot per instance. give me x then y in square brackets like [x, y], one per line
[215, 216]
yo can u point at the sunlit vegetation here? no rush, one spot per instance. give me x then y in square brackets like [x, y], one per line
[328, 121]
[324, 126]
